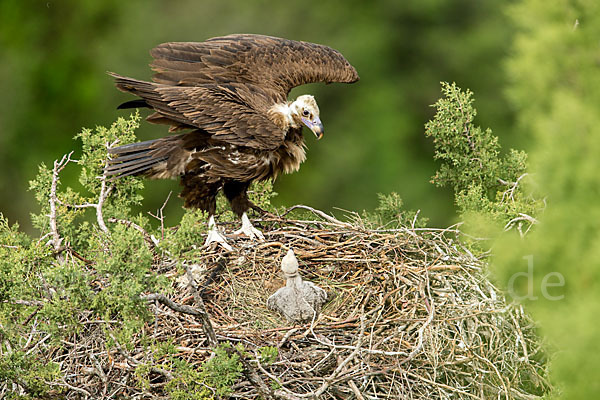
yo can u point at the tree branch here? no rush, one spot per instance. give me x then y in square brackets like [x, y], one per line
[199, 313]
[56, 239]
[152, 243]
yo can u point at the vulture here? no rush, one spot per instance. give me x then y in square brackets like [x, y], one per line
[229, 96]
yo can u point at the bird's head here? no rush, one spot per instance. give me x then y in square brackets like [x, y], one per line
[305, 111]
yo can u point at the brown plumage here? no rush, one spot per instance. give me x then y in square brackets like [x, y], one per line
[231, 94]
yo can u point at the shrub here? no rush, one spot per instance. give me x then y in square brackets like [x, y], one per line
[485, 182]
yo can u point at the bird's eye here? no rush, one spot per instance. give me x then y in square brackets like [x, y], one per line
[305, 113]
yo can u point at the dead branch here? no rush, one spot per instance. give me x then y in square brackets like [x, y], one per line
[199, 313]
[56, 239]
[152, 242]
[160, 215]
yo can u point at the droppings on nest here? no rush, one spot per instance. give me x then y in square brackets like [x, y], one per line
[410, 314]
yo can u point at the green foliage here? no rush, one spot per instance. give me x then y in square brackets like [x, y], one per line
[262, 195]
[468, 154]
[484, 181]
[556, 88]
[10, 240]
[223, 370]
[213, 380]
[390, 214]
[94, 272]
[128, 264]
[268, 354]
[187, 237]
[28, 372]
[93, 158]
[123, 196]
[89, 273]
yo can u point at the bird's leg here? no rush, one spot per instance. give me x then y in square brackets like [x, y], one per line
[215, 236]
[236, 193]
[249, 230]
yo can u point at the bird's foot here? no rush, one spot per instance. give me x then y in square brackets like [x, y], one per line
[250, 231]
[215, 236]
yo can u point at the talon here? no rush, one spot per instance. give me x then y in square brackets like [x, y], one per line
[250, 231]
[215, 236]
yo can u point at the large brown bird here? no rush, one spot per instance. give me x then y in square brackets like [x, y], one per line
[230, 93]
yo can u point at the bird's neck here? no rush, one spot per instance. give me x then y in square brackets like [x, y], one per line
[283, 115]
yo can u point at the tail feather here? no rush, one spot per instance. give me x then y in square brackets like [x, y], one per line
[133, 168]
[134, 147]
[129, 168]
[150, 158]
[134, 158]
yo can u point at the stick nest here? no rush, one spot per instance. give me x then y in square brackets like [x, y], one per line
[410, 314]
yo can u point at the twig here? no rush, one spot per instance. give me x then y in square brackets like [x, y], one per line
[343, 364]
[282, 394]
[513, 186]
[105, 191]
[319, 213]
[135, 362]
[522, 217]
[160, 216]
[355, 390]
[421, 330]
[152, 243]
[38, 343]
[74, 388]
[200, 313]
[252, 376]
[32, 303]
[206, 324]
[98, 368]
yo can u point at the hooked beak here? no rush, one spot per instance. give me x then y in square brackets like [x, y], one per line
[315, 125]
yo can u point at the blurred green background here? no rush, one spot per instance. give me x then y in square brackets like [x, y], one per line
[55, 54]
[533, 65]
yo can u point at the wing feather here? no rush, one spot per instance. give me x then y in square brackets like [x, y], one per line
[273, 63]
[227, 84]
[219, 110]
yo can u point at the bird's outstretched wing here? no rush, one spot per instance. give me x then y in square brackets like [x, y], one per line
[216, 109]
[272, 63]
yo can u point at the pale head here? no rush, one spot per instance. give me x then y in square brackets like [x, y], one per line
[289, 263]
[304, 110]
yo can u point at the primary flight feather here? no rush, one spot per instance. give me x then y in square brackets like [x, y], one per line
[230, 95]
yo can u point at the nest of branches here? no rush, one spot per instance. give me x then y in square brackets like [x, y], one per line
[410, 314]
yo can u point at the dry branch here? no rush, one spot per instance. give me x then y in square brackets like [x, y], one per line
[199, 312]
[56, 239]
